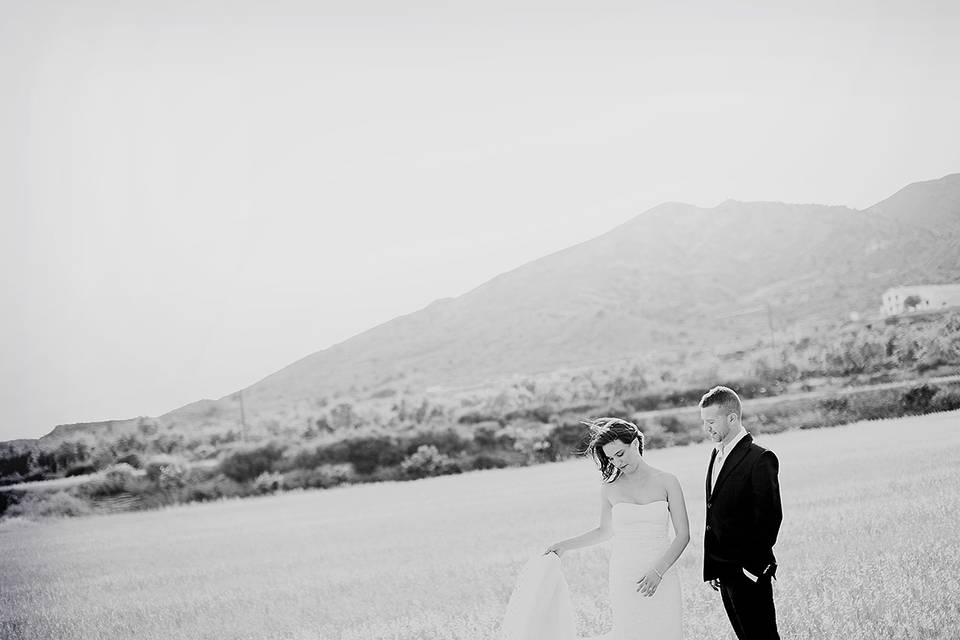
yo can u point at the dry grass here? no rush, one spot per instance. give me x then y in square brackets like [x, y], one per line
[868, 550]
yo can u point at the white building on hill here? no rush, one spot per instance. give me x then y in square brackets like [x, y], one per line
[920, 298]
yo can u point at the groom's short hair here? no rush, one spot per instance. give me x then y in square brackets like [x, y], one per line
[724, 397]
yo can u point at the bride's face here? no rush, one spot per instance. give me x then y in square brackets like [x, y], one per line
[626, 457]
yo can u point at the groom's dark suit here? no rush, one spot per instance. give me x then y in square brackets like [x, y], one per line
[743, 519]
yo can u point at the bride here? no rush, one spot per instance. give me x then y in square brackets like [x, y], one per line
[637, 502]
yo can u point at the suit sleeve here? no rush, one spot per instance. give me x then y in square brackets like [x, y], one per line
[767, 511]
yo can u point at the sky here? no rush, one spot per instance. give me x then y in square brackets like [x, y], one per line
[197, 194]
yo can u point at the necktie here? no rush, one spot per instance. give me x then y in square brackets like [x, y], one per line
[717, 462]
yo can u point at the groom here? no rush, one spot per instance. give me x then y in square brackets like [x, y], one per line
[743, 518]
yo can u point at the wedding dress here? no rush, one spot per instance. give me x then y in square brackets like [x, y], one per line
[540, 607]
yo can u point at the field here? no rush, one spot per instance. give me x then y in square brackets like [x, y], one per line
[869, 549]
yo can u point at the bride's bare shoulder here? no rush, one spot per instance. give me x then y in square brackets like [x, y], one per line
[664, 478]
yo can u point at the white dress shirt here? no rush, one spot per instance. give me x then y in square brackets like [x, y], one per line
[723, 450]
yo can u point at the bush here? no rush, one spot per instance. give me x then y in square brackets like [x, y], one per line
[268, 482]
[246, 465]
[485, 435]
[331, 475]
[15, 463]
[214, 488]
[568, 439]
[428, 461]
[81, 470]
[676, 425]
[487, 461]
[837, 404]
[447, 442]
[201, 473]
[299, 479]
[166, 472]
[917, 399]
[368, 453]
[532, 440]
[946, 400]
[131, 459]
[874, 405]
[48, 505]
[116, 480]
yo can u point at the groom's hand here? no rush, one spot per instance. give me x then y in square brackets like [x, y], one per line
[715, 584]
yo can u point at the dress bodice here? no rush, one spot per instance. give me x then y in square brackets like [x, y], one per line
[636, 522]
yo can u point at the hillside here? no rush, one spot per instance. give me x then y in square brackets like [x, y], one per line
[654, 283]
[661, 282]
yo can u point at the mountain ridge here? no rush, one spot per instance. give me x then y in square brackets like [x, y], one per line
[674, 277]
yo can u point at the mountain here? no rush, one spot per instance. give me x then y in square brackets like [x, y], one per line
[676, 277]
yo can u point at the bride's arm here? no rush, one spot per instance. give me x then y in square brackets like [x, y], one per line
[595, 536]
[681, 525]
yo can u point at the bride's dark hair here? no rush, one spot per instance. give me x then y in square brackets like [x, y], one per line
[604, 431]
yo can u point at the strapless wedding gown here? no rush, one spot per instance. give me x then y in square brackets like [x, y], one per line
[540, 609]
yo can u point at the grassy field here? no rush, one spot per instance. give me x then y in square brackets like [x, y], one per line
[869, 549]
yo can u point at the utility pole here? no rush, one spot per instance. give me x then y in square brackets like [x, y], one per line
[243, 420]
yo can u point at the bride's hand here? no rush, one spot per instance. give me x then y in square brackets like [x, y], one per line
[647, 585]
[556, 548]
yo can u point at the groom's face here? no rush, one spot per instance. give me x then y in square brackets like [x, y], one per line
[718, 421]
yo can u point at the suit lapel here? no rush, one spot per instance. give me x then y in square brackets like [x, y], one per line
[734, 458]
[713, 457]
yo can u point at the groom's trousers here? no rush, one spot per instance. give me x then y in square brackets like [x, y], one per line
[749, 606]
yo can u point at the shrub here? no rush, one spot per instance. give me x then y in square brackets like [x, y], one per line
[15, 463]
[114, 481]
[946, 400]
[532, 440]
[268, 482]
[166, 472]
[214, 488]
[201, 473]
[447, 442]
[80, 470]
[654, 435]
[47, 505]
[428, 461]
[874, 405]
[103, 459]
[7, 498]
[837, 404]
[917, 399]
[304, 459]
[676, 425]
[247, 464]
[331, 475]
[487, 461]
[322, 477]
[333, 453]
[368, 453]
[485, 434]
[299, 479]
[568, 438]
[131, 459]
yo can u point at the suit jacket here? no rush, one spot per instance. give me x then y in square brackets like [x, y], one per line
[743, 513]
